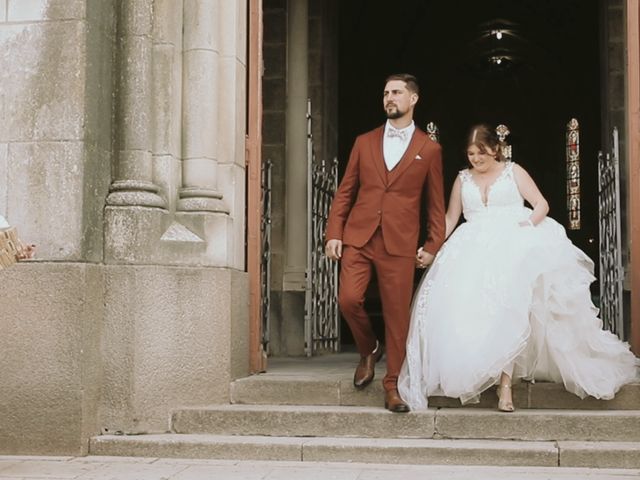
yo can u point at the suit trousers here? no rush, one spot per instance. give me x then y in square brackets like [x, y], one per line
[395, 280]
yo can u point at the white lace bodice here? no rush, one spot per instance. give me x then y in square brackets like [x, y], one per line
[503, 197]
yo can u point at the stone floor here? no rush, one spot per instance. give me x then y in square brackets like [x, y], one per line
[319, 366]
[125, 468]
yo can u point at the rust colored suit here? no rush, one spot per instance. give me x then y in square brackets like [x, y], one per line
[376, 214]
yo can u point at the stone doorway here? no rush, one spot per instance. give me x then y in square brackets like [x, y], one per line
[531, 65]
[554, 60]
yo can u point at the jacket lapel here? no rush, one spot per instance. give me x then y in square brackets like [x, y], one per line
[416, 144]
[378, 155]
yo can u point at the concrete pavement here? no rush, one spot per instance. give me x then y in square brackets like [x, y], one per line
[126, 468]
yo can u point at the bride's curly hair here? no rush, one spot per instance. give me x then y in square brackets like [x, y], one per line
[484, 136]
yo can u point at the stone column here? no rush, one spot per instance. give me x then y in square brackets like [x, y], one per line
[232, 126]
[199, 192]
[296, 146]
[167, 95]
[133, 177]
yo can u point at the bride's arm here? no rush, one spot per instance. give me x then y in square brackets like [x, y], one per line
[454, 210]
[531, 194]
[424, 258]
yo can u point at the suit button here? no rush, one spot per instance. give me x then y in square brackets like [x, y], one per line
[379, 212]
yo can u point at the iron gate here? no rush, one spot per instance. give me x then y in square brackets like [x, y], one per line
[322, 316]
[265, 259]
[611, 271]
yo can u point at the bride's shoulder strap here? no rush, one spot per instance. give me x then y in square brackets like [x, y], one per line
[464, 175]
[509, 167]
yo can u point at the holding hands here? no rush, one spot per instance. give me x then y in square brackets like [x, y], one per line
[423, 259]
[333, 251]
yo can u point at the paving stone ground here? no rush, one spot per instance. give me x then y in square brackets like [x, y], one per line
[125, 468]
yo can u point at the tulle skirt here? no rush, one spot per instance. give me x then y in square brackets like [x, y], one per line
[502, 296]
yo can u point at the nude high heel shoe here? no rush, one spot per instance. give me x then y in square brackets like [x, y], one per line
[504, 405]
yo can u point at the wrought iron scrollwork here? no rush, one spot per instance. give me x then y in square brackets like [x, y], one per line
[265, 260]
[573, 174]
[322, 316]
[611, 271]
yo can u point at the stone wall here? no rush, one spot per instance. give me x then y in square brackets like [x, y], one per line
[122, 158]
[168, 340]
[55, 105]
[50, 357]
[56, 124]
[88, 349]
[614, 114]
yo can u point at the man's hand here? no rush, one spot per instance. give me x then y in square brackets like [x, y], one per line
[423, 259]
[333, 249]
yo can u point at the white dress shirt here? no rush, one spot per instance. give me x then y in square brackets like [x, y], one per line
[395, 143]
[3, 222]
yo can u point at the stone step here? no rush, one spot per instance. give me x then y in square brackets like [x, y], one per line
[338, 389]
[369, 422]
[368, 450]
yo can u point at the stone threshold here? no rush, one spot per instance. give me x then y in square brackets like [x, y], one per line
[327, 380]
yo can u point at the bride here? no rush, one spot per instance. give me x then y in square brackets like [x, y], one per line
[506, 297]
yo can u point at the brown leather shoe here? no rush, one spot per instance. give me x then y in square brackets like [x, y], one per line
[366, 368]
[393, 402]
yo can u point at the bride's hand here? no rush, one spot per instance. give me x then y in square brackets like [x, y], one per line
[526, 223]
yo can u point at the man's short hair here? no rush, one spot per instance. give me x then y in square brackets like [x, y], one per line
[408, 79]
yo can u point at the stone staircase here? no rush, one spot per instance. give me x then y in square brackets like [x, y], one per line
[307, 410]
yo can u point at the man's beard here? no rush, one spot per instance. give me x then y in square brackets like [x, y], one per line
[393, 114]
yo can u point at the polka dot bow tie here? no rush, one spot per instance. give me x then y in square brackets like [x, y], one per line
[394, 132]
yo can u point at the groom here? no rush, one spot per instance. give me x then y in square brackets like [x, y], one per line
[374, 222]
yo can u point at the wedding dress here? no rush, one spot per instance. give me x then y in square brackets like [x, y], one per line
[501, 296]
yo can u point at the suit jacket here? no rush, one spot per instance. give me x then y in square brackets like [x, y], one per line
[370, 196]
